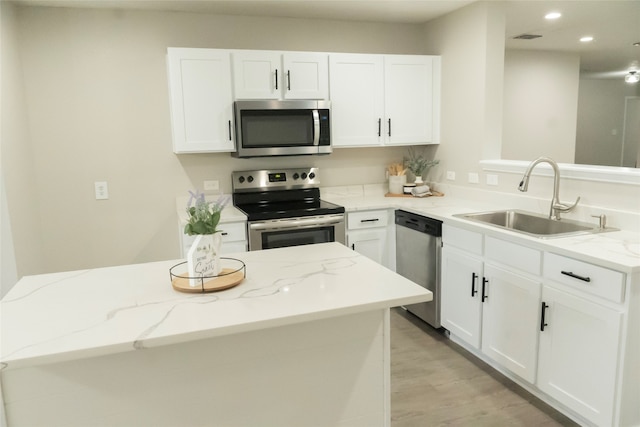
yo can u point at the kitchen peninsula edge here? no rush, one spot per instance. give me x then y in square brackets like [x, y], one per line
[304, 339]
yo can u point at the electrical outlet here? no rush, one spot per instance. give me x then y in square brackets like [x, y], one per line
[451, 175]
[492, 179]
[473, 178]
[211, 185]
[102, 190]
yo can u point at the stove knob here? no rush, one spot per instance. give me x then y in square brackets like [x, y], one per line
[304, 175]
[312, 175]
[241, 179]
[250, 178]
[296, 175]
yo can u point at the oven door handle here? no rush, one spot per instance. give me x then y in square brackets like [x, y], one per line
[316, 127]
[296, 223]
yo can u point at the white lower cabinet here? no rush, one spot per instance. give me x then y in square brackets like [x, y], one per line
[372, 234]
[510, 316]
[488, 306]
[559, 323]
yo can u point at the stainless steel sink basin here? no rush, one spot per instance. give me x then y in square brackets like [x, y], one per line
[533, 224]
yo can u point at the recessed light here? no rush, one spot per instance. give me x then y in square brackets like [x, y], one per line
[637, 44]
[586, 39]
[552, 15]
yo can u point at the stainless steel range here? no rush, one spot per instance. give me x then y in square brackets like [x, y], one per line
[284, 208]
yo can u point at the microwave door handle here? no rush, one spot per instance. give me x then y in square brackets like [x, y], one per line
[316, 127]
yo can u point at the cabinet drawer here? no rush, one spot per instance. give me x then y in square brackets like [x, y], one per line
[513, 255]
[600, 281]
[470, 241]
[233, 231]
[367, 219]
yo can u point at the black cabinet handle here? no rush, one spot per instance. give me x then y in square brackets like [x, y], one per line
[542, 322]
[484, 283]
[389, 127]
[474, 291]
[288, 80]
[575, 276]
[353, 246]
[370, 220]
[276, 79]
[224, 234]
[229, 130]
[379, 127]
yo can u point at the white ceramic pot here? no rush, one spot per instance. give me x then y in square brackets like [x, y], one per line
[396, 183]
[203, 258]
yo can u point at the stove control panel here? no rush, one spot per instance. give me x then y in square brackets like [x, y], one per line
[280, 179]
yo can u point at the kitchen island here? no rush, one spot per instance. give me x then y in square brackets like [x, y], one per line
[303, 340]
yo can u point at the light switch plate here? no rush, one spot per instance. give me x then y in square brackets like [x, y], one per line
[102, 190]
[451, 175]
[211, 185]
[473, 178]
[492, 179]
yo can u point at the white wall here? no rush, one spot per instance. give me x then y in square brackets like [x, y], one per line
[601, 104]
[20, 246]
[97, 103]
[471, 42]
[540, 105]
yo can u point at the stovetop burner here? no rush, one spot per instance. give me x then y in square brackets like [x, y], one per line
[276, 194]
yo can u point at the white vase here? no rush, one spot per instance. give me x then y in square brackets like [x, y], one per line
[203, 258]
[418, 180]
[396, 183]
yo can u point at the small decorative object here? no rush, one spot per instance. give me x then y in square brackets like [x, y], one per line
[417, 164]
[203, 258]
[408, 187]
[397, 178]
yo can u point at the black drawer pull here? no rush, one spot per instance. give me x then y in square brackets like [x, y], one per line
[542, 322]
[484, 283]
[224, 233]
[474, 291]
[370, 220]
[379, 127]
[575, 276]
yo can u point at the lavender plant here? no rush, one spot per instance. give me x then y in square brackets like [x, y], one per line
[204, 216]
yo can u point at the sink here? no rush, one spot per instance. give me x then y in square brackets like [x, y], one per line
[533, 224]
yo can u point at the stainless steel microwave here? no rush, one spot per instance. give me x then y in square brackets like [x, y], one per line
[282, 128]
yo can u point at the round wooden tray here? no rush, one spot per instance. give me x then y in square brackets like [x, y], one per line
[227, 278]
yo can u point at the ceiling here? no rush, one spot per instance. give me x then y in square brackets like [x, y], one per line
[614, 24]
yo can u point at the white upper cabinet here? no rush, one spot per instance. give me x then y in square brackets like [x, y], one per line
[277, 75]
[201, 100]
[384, 99]
[357, 99]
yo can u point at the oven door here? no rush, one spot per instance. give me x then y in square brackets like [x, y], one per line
[279, 233]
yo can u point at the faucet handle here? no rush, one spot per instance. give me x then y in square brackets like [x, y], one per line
[602, 220]
[565, 208]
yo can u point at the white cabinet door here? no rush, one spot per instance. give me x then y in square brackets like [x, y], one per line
[510, 320]
[306, 75]
[412, 99]
[201, 100]
[371, 243]
[357, 99]
[461, 295]
[257, 74]
[578, 358]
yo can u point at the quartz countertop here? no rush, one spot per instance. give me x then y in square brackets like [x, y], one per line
[77, 314]
[619, 250]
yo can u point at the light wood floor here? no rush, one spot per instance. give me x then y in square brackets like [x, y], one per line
[435, 382]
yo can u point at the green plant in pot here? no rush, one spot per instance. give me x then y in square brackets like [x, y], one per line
[203, 258]
[416, 162]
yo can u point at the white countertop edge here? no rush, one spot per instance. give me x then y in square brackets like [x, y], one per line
[150, 343]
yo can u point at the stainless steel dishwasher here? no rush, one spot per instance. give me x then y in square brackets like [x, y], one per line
[418, 247]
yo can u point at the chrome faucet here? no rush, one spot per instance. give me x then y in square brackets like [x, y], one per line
[556, 205]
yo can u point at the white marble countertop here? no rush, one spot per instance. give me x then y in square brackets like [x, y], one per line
[619, 250]
[72, 315]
